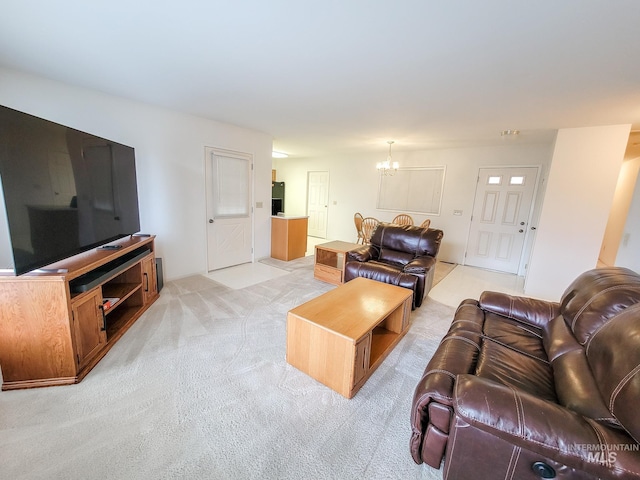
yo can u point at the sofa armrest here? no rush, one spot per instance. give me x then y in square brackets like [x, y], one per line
[420, 265]
[545, 428]
[457, 353]
[361, 254]
[528, 310]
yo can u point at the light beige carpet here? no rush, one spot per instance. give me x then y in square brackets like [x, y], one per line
[442, 270]
[199, 388]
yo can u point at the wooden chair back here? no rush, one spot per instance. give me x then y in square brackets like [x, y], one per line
[426, 223]
[369, 224]
[403, 219]
[357, 219]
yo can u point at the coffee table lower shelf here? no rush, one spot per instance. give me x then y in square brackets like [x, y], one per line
[342, 336]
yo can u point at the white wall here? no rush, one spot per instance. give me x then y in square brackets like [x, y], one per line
[353, 186]
[169, 160]
[628, 251]
[580, 190]
[613, 234]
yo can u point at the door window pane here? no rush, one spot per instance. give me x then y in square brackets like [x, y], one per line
[231, 198]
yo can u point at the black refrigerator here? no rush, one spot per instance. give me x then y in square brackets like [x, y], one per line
[277, 197]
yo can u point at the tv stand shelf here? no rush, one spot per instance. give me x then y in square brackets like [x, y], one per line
[101, 274]
[54, 326]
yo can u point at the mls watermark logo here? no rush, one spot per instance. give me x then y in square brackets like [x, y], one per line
[604, 453]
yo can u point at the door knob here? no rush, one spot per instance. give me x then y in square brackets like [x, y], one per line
[521, 223]
[520, 231]
[533, 228]
[211, 220]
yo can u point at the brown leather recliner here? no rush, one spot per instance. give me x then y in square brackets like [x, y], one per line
[525, 389]
[402, 255]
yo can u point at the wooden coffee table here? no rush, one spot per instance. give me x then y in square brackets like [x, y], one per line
[342, 336]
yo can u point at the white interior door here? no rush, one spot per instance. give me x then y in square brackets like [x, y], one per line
[317, 203]
[229, 208]
[500, 218]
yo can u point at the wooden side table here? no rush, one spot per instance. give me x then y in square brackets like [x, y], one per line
[330, 259]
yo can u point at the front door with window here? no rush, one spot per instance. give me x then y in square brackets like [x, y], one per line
[500, 218]
[229, 212]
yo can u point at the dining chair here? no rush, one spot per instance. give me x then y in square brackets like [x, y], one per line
[403, 219]
[369, 224]
[426, 223]
[357, 219]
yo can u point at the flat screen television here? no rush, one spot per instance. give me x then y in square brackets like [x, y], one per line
[65, 191]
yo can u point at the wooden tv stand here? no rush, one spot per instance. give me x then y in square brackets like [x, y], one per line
[53, 326]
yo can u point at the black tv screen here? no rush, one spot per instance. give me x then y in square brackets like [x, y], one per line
[65, 191]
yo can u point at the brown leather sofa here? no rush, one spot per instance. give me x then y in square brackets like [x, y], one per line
[525, 389]
[403, 255]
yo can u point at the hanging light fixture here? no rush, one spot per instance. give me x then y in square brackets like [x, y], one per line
[388, 167]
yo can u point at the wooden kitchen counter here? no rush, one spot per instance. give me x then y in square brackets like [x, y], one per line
[288, 237]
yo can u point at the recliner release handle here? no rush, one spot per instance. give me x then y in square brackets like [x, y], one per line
[543, 470]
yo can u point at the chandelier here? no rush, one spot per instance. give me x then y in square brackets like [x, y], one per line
[388, 167]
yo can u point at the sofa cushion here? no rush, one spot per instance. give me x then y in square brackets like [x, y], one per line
[395, 257]
[457, 353]
[528, 310]
[558, 339]
[382, 272]
[363, 253]
[408, 238]
[576, 388]
[518, 336]
[614, 358]
[596, 296]
[522, 372]
[420, 265]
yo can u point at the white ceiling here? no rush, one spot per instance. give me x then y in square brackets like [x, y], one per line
[340, 76]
